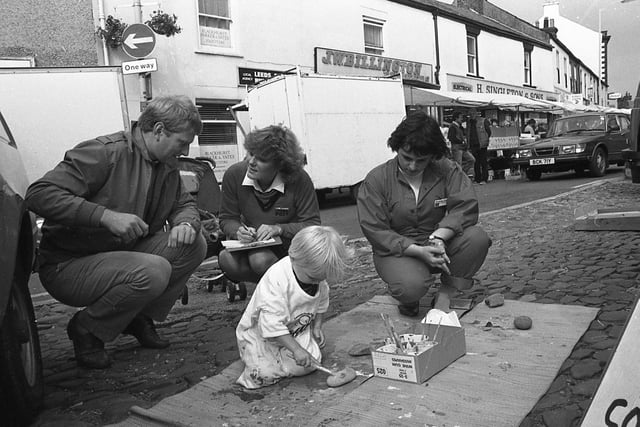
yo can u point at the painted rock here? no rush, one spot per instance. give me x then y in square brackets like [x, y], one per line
[495, 300]
[522, 322]
[359, 350]
[341, 377]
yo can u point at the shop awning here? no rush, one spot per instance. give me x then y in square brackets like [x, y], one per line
[431, 97]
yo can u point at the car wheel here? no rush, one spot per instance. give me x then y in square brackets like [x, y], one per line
[598, 165]
[533, 174]
[21, 383]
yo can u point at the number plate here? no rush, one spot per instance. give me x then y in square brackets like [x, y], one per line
[535, 162]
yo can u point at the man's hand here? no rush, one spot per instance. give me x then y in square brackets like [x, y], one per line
[268, 231]
[182, 234]
[127, 227]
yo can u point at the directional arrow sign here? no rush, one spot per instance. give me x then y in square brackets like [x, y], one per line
[138, 40]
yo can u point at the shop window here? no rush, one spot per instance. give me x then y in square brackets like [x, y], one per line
[373, 42]
[472, 54]
[527, 67]
[218, 124]
[214, 22]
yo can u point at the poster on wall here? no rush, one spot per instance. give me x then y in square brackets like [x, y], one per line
[224, 155]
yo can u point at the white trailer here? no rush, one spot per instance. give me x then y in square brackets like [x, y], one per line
[342, 122]
[50, 110]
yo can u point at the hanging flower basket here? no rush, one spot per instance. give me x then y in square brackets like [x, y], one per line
[112, 32]
[163, 23]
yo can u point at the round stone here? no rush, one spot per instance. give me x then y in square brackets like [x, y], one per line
[523, 322]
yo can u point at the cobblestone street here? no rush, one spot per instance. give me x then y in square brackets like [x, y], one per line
[536, 256]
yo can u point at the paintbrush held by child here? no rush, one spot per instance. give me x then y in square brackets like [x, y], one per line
[280, 333]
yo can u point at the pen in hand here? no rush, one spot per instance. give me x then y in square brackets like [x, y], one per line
[250, 230]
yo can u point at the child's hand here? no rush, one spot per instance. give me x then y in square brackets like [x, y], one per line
[318, 334]
[302, 357]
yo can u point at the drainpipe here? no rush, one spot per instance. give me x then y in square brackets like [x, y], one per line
[101, 19]
[436, 75]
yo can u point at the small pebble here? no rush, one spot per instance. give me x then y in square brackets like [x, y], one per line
[523, 322]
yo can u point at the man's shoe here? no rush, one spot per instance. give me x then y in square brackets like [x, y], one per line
[410, 310]
[88, 349]
[144, 330]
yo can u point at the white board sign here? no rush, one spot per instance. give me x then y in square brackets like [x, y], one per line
[616, 402]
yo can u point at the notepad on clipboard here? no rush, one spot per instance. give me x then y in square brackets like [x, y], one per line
[237, 245]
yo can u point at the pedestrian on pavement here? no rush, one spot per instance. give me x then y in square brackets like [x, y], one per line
[459, 145]
[419, 212]
[280, 333]
[266, 195]
[104, 243]
[479, 130]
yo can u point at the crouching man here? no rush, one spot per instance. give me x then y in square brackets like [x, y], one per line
[105, 244]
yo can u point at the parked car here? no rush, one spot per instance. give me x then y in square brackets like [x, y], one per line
[21, 384]
[583, 141]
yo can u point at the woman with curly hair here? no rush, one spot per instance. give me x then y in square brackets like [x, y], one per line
[266, 195]
[419, 211]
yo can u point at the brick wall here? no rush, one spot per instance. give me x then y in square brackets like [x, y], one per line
[56, 33]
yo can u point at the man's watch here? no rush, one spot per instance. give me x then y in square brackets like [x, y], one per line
[434, 239]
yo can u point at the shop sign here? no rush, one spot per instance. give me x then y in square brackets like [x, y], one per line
[215, 37]
[253, 76]
[224, 156]
[340, 62]
[466, 84]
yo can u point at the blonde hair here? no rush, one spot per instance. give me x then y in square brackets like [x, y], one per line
[321, 250]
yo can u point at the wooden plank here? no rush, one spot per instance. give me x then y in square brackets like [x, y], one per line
[609, 219]
[617, 399]
[496, 383]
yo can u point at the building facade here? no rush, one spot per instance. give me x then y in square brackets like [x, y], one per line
[227, 46]
[581, 57]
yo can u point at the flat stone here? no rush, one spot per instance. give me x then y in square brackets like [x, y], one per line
[561, 417]
[585, 369]
[613, 316]
[586, 388]
[582, 353]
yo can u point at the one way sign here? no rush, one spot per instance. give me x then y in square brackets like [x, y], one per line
[138, 40]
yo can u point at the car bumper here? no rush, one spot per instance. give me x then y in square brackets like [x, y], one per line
[551, 161]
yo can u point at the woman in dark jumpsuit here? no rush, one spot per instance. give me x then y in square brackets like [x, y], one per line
[419, 212]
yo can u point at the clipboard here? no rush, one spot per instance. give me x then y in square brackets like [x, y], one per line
[236, 245]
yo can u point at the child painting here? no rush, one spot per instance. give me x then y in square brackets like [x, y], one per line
[280, 333]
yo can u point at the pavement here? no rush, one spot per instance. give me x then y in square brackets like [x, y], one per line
[537, 256]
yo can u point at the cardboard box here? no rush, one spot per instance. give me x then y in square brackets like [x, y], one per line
[417, 368]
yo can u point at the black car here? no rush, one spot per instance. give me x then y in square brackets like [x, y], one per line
[583, 141]
[21, 385]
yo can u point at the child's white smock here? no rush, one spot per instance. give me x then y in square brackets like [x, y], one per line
[278, 307]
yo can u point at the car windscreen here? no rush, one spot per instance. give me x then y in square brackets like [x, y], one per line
[577, 124]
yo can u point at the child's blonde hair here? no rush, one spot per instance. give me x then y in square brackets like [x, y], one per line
[321, 251]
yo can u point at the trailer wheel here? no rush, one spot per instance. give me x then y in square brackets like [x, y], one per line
[230, 289]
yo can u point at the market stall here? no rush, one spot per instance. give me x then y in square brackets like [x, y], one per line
[503, 138]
